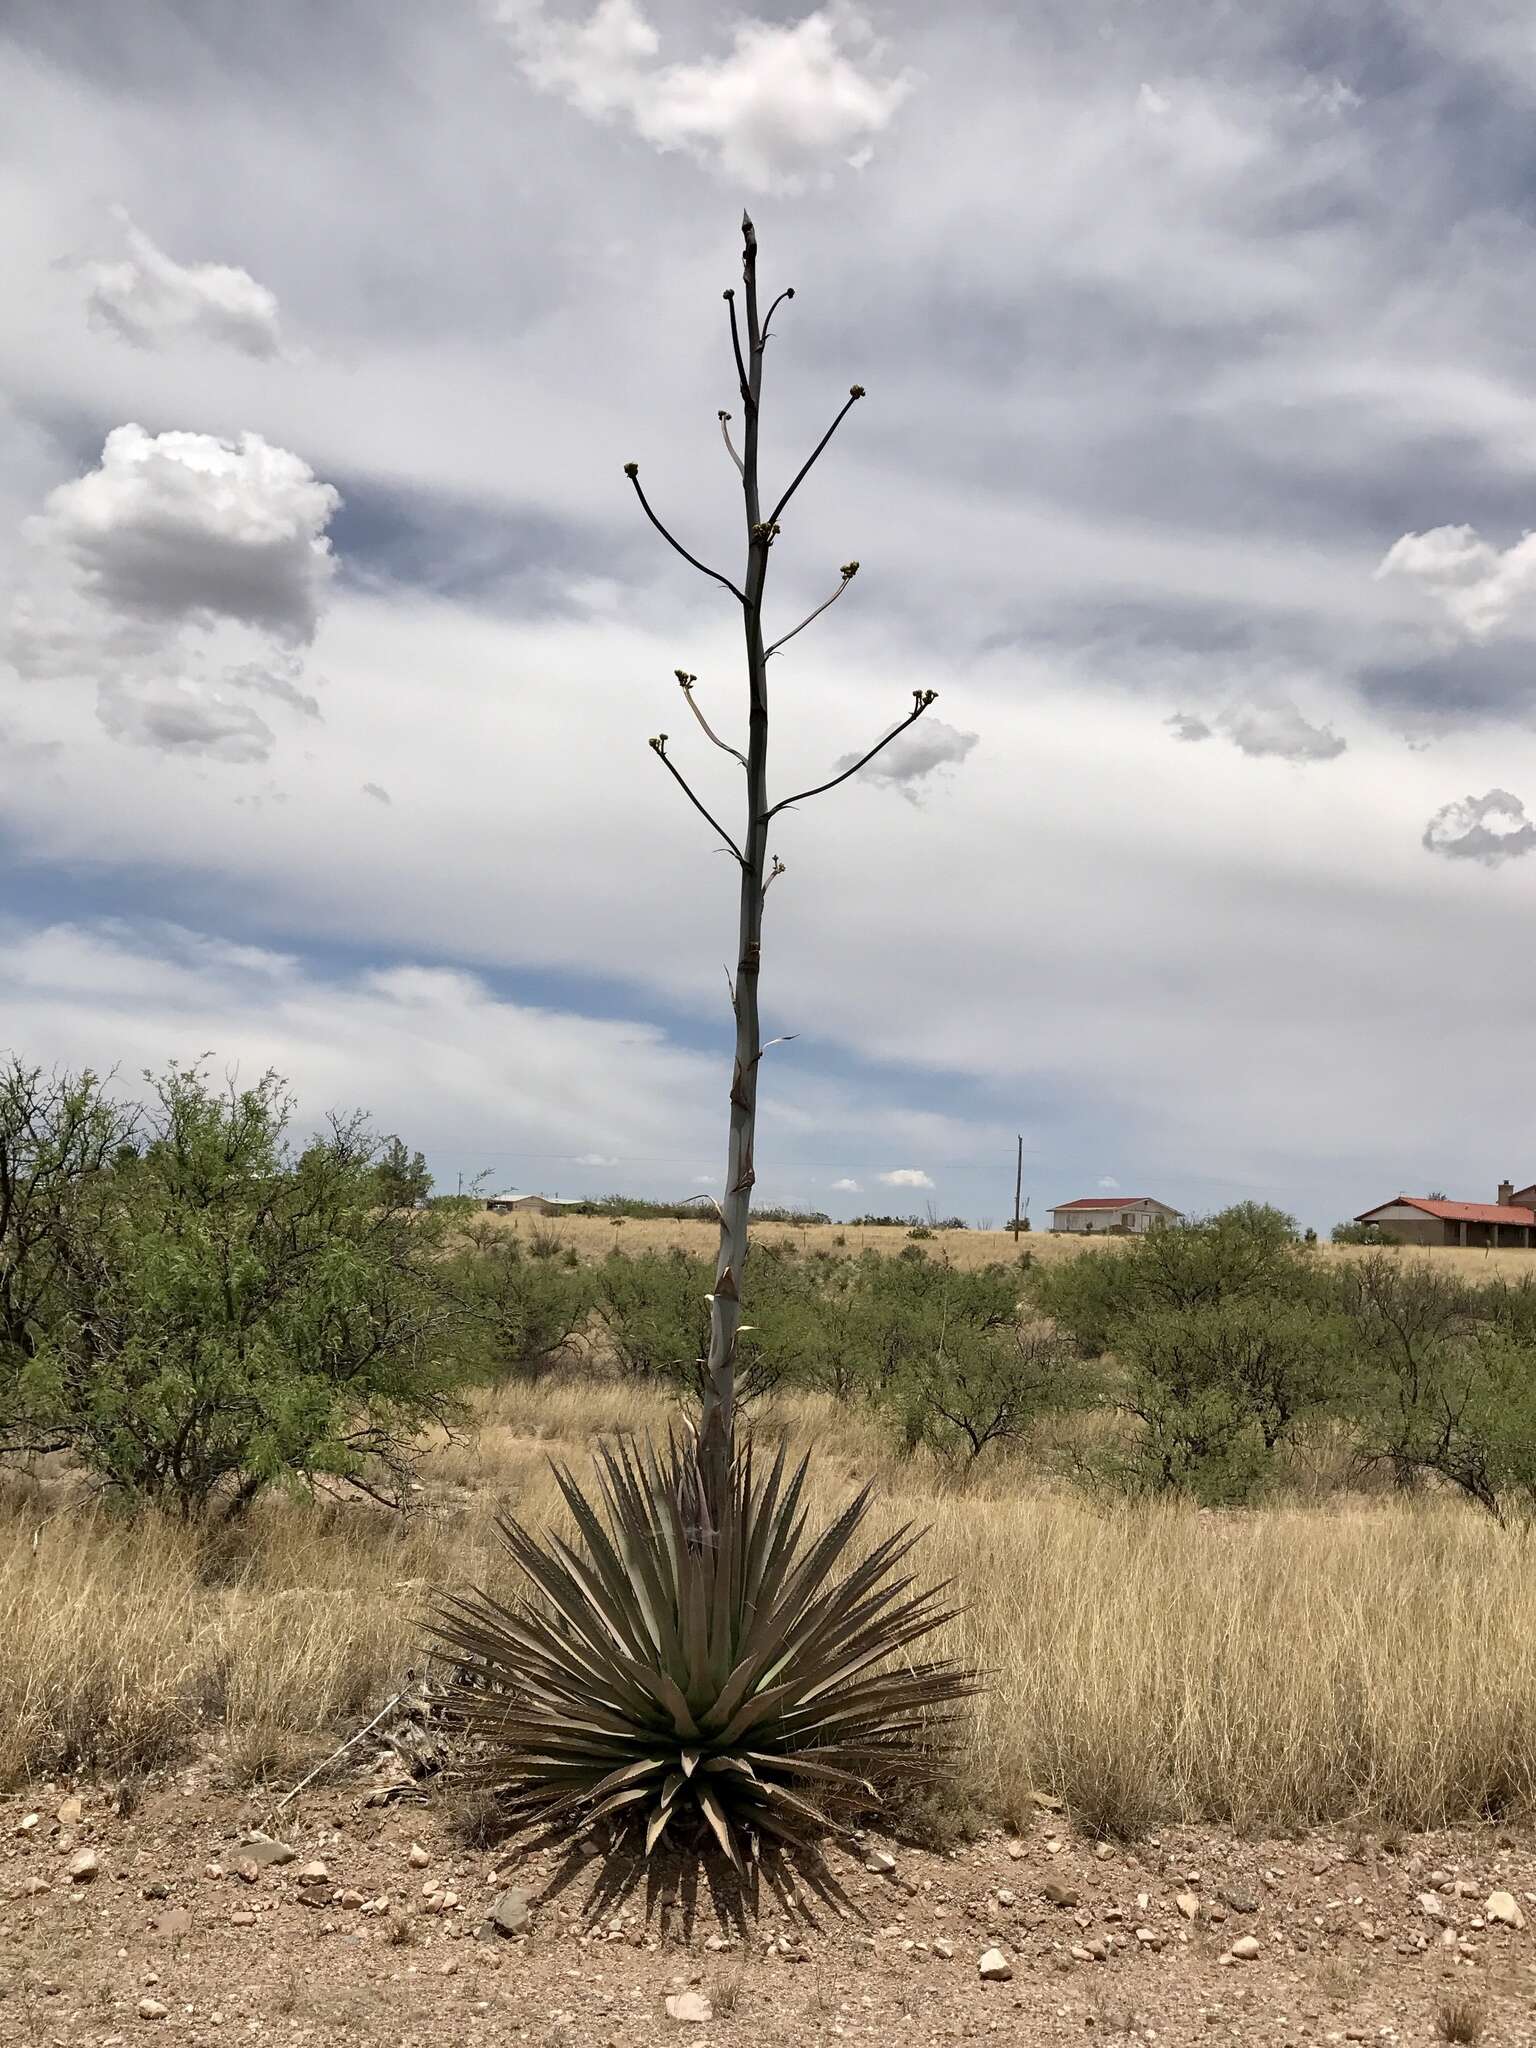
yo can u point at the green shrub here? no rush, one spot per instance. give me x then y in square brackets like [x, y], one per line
[520, 1313]
[228, 1312]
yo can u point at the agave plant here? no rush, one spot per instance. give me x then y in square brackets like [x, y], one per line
[670, 1668]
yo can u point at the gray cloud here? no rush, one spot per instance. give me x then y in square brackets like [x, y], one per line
[1262, 727]
[1490, 829]
[379, 794]
[924, 750]
[1185, 726]
[1276, 728]
[149, 299]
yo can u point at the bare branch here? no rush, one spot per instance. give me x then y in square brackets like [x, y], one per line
[855, 393]
[659, 749]
[632, 471]
[741, 368]
[685, 683]
[921, 699]
[725, 435]
[787, 293]
[849, 571]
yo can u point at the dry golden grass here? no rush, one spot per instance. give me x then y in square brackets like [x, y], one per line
[1276, 1667]
[593, 1237]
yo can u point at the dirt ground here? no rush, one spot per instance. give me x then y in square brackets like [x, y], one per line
[375, 1932]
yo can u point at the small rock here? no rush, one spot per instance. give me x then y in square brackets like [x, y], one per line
[1080, 1954]
[152, 2009]
[1240, 1902]
[690, 2007]
[1188, 1905]
[157, 1890]
[1004, 1896]
[1102, 1851]
[1058, 1894]
[264, 1853]
[69, 1813]
[174, 1924]
[1430, 1906]
[994, 1967]
[1246, 1949]
[1149, 1937]
[349, 1901]
[314, 1873]
[28, 1823]
[509, 1911]
[242, 1917]
[1503, 1908]
[34, 1887]
[943, 1948]
[1098, 1950]
[1015, 1851]
[83, 1866]
[879, 1864]
[417, 1857]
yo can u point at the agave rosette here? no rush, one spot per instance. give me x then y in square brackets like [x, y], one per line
[666, 1668]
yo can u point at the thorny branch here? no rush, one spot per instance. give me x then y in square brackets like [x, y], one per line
[921, 699]
[685, 683]
[849, 571]
[659, 749]
[632, 471]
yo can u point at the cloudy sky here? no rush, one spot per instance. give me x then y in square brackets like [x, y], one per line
[1195, 476]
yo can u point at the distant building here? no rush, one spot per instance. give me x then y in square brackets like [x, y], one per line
[512, 1203]
[1112, 1212]
[1509, 1222]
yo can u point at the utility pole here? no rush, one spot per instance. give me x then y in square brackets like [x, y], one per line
[1018, 1189]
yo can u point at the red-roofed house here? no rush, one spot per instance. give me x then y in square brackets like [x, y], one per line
[1426, 1219]
[1112, 1212]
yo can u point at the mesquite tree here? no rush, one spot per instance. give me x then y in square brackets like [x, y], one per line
[716, 1427]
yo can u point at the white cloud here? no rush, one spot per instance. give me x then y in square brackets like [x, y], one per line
[1479, 586]
[1109, 1184]
[905, 1177]
[923, 750]
[182, 576]
[778, 109]
[594, 1159]
[148, 298]
[846, 1187]
[1490, 829]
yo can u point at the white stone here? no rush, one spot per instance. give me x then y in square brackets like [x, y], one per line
[1502, 1907]
[995, 1967]
[690, 2007]
[1246, 1949]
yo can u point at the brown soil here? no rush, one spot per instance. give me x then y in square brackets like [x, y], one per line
[1347, 1952]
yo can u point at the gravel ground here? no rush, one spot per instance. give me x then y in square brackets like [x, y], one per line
[119, 1928]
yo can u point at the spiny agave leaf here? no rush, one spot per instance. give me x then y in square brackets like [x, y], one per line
[719, 1825]
[675, 1659]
